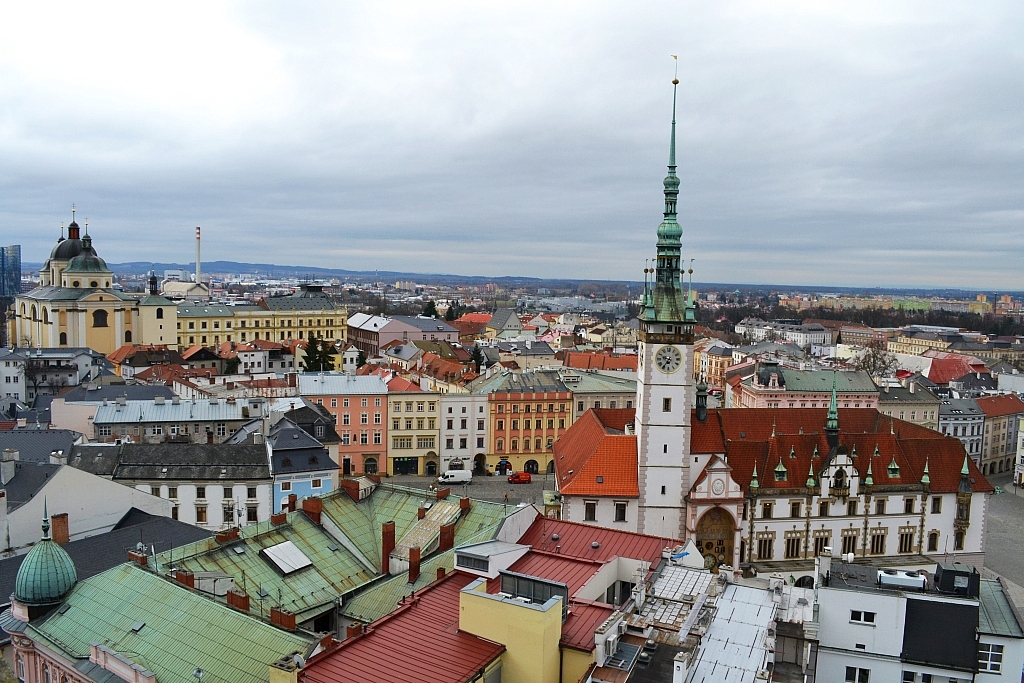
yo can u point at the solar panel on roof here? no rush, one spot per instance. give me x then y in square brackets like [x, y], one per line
[286, 557]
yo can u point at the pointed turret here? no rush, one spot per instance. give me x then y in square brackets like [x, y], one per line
[925, 479]
[664, 299]
[869, 480]
[832, 419]
[753, 480]
[965, 483]
[810, 477]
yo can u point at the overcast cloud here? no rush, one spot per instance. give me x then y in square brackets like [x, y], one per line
[819, 143]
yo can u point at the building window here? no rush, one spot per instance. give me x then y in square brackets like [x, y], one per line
[908, 506]
[620, 512]
[990, 657]
[172, 492]
[933, 542]
[402, 442]
[449, 444]
[794, 509]
[855, 675]
[286, 486]
[849, 541]
[200, 514]
[765, 548]
[370, 465]
[200, 492]
[590, 511]
[823, 509]
[251, 514]
[104, 430]
[250, 492]
[317, 483]
[820, 543]
[958, 540]
[860, 617]
[936, 505]
[462, 443]
[878, 541]
[424, 442]
[666, 405]
[906, 541]
[766, 510]
[880, 506]
[792, 548]
[99, 318]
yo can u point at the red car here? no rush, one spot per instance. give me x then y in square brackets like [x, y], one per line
[519, 478]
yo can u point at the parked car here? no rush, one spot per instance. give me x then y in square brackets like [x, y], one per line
[519, 478]
[456, 477]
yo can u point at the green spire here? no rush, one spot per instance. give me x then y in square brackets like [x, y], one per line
[46, 521]
[925, 479]
[832, 420]
[810, 477]
[666, 300]
[964, 471]
[869, 480]
[753, 478]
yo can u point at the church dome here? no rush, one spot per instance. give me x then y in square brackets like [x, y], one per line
[69, 248]
[47, 573]
[87, 261]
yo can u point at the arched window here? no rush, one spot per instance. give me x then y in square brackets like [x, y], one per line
[160, 314]
[46, 317]
[127, 336]
[21, 662]
[63, 338]
[933, 542]
[23, 310]
[34, 315]
[46, 674]
[840, 478]
[99, 318]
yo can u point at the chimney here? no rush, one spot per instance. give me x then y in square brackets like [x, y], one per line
[292, 498]
[441, 494]
[185, 578]
[282, 618]
[353, 630]
[58, 458]
[440, 573]
[313, 507]
[447, 539]
[139, 558]
[464, 506]
[414, 564]
[238, 600]
[59, 528]
[421, 513]
[199, 268]
[9, 465]
[912, 386]
[387, 546]
[279, 518]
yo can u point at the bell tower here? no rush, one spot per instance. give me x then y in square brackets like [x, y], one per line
[665, 385]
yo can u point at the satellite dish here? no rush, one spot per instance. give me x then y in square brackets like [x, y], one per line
[299, 661]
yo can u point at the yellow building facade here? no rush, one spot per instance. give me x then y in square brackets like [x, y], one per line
[75, 305]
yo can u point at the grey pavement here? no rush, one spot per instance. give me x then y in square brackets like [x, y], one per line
[1004, 540]
[492, 488]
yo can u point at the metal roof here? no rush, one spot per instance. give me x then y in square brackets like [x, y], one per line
[337, 383]
[200, 410]
[182, 630]
[997, 616]
[734, 647]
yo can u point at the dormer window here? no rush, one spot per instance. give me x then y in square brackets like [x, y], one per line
[840, 479]
[894, 469]
[780, 472]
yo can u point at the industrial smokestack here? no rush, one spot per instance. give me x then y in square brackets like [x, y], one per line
[199, 266]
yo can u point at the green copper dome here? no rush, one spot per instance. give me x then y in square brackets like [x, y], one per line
[47, 574]
[88, 261]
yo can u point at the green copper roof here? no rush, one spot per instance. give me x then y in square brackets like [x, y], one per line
[166, 628]
[87, 261]
[47, 572]
[832, 419]
[664, 299]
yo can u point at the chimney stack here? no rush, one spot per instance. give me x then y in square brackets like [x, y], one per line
[464, 506]
[59, 528]
[440, 572]
[353, 630]
[387, 546]
[313, 507]
[199, 267]
[238, 600]
[421, 513]
[414, 564]
[292, 498]
[9, 465]
[447, 539]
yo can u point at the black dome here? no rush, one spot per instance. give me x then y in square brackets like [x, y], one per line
[66, 250]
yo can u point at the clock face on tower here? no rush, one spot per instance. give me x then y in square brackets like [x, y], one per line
[668, 359]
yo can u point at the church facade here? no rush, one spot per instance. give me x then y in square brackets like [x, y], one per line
[75, 305]
[762, 487]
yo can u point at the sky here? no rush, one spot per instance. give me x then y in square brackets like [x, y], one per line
[840, 143]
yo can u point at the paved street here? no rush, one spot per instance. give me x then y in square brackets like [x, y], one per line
[1004, 542]
[491, 488]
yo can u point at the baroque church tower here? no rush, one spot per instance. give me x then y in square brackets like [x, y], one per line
[665, 388]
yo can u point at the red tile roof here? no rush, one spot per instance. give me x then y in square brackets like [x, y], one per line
[468, 328]
[595, 457]
[576, 540]
[400, 384]
[998, 406]
[420, 641]
[598, 361]
[950, 367]
[474, 318]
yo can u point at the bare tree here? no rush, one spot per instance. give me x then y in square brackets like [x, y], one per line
[876, 361]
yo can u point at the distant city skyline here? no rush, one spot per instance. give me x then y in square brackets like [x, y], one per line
[849, 144]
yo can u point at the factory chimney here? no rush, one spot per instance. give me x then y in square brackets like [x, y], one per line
[199, 267]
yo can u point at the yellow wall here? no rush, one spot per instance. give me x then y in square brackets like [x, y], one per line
[575, 664]
[530, 633]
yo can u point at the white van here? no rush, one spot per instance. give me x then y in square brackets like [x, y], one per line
[456, 477]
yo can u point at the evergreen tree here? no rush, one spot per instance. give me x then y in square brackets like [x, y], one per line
[360, 359]
[319, 356]
[477, 357]
[451, 313]
[430, 310]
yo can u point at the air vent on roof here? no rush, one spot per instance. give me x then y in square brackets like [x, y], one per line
[239, 549]
[600, 480]
[138, 626]
[333, 548]
[743, 435]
